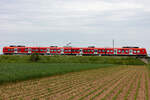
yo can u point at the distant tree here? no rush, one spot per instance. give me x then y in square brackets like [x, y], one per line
[34, 57]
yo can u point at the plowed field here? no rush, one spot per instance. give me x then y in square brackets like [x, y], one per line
[113, 83]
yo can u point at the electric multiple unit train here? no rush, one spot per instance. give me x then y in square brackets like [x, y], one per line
[78, 51]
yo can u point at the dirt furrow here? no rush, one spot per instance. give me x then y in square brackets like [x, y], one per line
[39, 85]
[133, 91]
[142, 91]
[109, 89]
[147, 86]
[126, 89]
[54, 96]
[39, 89]
[114, 93]
[99, 87]
[114, 83]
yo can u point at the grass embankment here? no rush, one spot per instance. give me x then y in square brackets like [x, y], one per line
[73, 59]
[17, 68]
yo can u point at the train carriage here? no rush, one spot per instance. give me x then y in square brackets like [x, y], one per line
[89, 51]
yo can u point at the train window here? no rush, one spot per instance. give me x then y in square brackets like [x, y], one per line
[19, 49]
[127, 51]
[66, 50]
[107, 50]
[85, 50]
[15, 49]
[41, 50]
[58, 50]
[92, 50]
[111, 51]
[88, 50]
[138, 51]
[122, 51]
[51, 50]
[99, 50]
[26, 49]
[119, 51]
[36, 50]
[73, 50]
[103, 50]
[143, 50]
[54, 50]
[8, 49]
[134, 51]
[95, 50]
[69, 50]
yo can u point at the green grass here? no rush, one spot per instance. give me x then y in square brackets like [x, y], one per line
[12, 72]
[73, 59]
[16, 68]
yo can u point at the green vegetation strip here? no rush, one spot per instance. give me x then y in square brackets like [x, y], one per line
[13, 72]
[71, 59]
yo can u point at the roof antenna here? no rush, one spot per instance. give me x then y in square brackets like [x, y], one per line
[113, 43]
[68, 44]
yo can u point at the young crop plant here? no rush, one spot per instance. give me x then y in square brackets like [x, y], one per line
[137, 89]
[115, 97]
[107, 88]
[115, 88]
[97, 90]
[146, 87]
[72, 97]
[49, 90]
[70, 86]
[111, 83]
[35, 99]
[90, 85]
[130, 88]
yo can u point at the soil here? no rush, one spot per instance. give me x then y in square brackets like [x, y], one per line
[108, 83]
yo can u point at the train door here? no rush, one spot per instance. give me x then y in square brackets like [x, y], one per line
[81, 52]
[62, 51]
[29, 50]
[131, 52]
[15, 50]
[115, 51]
[95, 51]
[48, 51]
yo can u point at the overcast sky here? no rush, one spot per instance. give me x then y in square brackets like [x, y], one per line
[82, 22]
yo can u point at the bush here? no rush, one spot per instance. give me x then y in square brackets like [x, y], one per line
[34, 57]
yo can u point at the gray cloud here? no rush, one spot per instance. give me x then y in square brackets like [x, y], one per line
[86, 22]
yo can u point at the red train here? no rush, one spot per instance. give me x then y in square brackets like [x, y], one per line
[82, 51]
